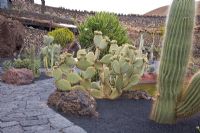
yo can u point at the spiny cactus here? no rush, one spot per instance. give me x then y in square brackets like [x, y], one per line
[34, 63]
[141, 46]
[118, 71]
[174, 100]
[50, 54]
[65, 76]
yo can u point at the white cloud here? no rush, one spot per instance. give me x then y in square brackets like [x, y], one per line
[117, 6]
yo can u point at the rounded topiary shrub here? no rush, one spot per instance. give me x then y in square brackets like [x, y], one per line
[62, 36]
[107, 23]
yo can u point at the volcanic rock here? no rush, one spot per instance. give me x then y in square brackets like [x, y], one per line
[18, 76]
[77, 102]
[11, 37]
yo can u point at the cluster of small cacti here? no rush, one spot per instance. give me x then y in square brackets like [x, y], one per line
[23, 63]
[50, 54]
[118, 71]
[174, 100]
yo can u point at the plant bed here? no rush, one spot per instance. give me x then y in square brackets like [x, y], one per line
[129, 116]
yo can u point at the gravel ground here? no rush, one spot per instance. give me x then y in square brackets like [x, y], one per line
[130, 116]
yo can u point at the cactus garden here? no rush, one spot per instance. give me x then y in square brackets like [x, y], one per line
[68, 71]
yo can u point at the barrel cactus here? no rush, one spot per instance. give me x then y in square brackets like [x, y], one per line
[174, 99]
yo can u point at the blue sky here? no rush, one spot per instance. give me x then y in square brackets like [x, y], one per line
[117, 6]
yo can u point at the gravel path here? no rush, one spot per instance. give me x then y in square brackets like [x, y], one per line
[23, 109]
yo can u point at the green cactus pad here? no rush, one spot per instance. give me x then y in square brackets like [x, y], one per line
[106, 59]
[97, 39]
[73, 78]
[85, 83]
[98, 65]
[103, 44]
[119, 82]
[116, 66]
[63, 85]
[83, 64]
[81, 53]
[96, 93]
[124, 65]
[78, 87]
[115, 94]
[113, 47]
[133, 81]
[95, 85]
[139, 62]
[57, 74]
[65, 69]
[91, 57]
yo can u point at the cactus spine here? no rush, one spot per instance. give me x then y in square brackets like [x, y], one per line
[171, 102]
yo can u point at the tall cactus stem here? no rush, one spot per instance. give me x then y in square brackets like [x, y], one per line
[174, 60]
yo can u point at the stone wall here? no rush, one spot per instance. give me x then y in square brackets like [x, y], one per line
[134, 23]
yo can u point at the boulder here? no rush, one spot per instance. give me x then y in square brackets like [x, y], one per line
[18, 76]
[11, 37]
[77, 102]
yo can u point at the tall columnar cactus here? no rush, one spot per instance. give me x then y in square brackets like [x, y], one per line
[173, 101]
[35, 64]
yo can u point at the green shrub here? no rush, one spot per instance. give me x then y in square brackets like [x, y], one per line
[19, 63]
[23, 63]
[107, 23]
[62, 36]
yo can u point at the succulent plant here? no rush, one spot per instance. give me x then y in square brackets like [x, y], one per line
[118, 71]
[174, 99]
[34, 64]
[7, 64]
[65, 76]
[50, 54]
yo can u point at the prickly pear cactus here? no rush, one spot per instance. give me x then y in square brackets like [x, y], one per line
[118, 71]
[173, 100]
[67, 78]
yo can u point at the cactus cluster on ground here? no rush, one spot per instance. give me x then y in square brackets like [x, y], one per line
[50, 54]
[174, 100]
[30, 61]
[118, 71]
